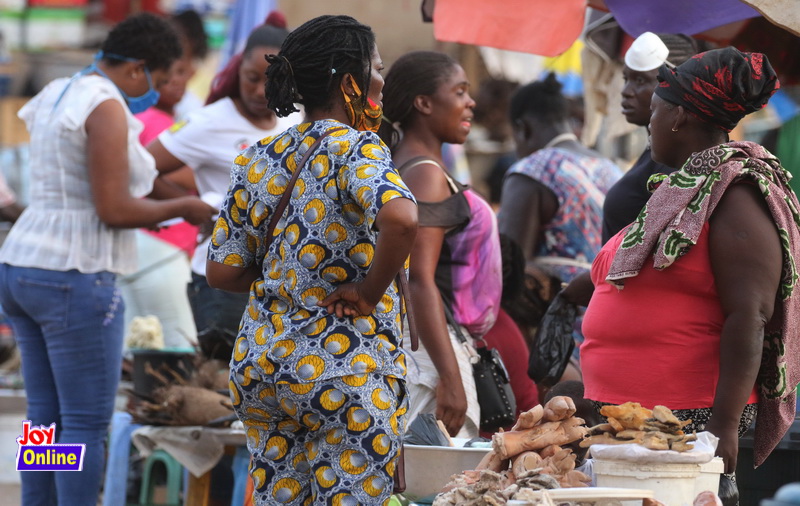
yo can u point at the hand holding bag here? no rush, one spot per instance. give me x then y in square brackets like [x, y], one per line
[492, 383]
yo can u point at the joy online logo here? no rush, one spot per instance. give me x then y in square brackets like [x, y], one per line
[37, 452]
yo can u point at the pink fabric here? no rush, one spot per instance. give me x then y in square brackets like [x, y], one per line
[183, 234]
[155, 121]
[657, 341]
[477, 269]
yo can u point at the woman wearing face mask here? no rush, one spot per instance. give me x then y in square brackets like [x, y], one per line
[317, 372]
[59, 263]
[207, 141]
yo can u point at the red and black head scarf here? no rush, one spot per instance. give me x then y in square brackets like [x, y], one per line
[719, 87]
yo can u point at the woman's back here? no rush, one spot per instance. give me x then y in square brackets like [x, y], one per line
[61, 229]
[325, 238]
[580, 183]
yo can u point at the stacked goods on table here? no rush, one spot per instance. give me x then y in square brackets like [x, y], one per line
[535, 456]
[630, 423]
[529, 457]
[200, 399]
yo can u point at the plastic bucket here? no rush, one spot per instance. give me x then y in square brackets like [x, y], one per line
[708, 479]
[672, 484]
[429, 468]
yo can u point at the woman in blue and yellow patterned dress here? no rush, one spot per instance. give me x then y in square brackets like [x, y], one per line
[317, 375]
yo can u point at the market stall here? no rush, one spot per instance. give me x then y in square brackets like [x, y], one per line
[638, 454]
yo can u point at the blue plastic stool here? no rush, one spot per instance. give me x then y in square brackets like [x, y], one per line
[174, 476]
[241, 463]
[118, 463]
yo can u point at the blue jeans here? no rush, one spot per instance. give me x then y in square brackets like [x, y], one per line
[69, 330]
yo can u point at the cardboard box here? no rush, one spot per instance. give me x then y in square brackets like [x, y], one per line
[12, 129]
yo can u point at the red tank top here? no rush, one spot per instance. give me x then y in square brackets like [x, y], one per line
[657, 340]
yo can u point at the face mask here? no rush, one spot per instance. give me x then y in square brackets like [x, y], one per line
[364, 119]
[142, 102]
[135, 104]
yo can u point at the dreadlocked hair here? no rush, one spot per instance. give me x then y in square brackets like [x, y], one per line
[312, 61]
[226, 83]
[413, 74]
[540, 99]
[143, 37]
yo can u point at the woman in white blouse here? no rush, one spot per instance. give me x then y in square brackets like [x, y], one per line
[59, 264]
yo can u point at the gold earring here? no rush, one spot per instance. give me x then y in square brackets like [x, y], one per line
[674, 129]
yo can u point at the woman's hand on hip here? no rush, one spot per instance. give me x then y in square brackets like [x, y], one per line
[451, 404]
[349, 300]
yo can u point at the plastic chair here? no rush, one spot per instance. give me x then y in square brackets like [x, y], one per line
[174, 477]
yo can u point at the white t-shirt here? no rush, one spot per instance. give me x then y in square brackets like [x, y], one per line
[60, 229]
[208, 141]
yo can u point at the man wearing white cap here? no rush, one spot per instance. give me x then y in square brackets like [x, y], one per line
[626, 198]
[647, 53]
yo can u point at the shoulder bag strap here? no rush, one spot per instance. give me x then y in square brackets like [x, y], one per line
[402, 281]
[287, 193]
[405, 295]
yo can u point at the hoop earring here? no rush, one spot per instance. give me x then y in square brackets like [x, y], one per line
[674, 129]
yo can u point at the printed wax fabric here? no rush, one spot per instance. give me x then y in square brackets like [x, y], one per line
[580, 183]
[670, 225]
[325, 238]
[628, 196]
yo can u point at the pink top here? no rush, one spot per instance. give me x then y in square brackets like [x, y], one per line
[182, 234]
[656, 341]
[155, 121]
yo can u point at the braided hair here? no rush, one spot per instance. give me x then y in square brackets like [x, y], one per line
[312, 61]
[540, 99]
[145, 37]
[413, 74]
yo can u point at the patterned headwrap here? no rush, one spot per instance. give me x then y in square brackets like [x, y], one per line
[719, 87]
[670, 224]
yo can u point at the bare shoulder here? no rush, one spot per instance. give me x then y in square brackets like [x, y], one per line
[426, 180]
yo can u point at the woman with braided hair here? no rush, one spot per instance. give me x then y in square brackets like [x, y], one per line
[317, 374]
[707, 321]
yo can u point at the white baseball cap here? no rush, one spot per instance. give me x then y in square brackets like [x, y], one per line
[647, 52]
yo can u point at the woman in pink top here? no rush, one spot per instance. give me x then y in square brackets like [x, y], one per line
[694, 301]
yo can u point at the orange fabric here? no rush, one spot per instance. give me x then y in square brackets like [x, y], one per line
[248, 491]
[657, 340]
[543, 27]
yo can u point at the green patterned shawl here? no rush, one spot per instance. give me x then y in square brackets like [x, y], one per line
[670, 224]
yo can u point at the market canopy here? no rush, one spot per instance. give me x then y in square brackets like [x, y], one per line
[543, 27]
[548, 28]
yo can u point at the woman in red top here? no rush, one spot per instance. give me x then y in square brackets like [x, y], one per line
[694, 300]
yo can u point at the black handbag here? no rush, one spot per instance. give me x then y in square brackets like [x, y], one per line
[492, 383]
